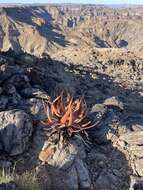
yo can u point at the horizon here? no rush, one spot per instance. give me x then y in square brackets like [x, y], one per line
[31, 3]
[88, 2]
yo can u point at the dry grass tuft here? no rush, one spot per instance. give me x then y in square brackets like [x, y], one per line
[25, 181]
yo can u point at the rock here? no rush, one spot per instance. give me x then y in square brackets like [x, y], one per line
[69, 158]
[3, 102]
[5, 164]
[14, 100]
[83, 175]
[114, 102]
[27, 58]
[121, 143]
[9, 186]
[133, 182]
[9, 89]
[1, 90]
[15, 131]
[103, 132]
[136, 150]
[52, 178]
[72, 179]
[20, 81]
[101, 164]
[100, 156]
[36, 108]
[134, 107]
[64, 156]
[97, 112]
[9, 71]
[133, 138]
[35, 93]
[98, 108]
[106, 181]
[138, 185]
[103, 182]
[11, 94]
[139, 167]
[117, 173]
[137, 127]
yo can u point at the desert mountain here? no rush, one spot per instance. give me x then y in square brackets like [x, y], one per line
[48, 28]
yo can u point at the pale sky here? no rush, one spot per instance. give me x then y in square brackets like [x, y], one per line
[76, 1]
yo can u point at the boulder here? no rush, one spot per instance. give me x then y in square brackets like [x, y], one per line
[70, 159]
[15, 131]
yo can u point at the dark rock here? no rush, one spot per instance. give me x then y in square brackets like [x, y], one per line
[83, 175]
[9, 89]
[14, 100]
[1, 90]
[134, 106]
[9, 70]
[5, 164]
[138, 185]
[72, 179]
[106, 181]
[103, 182]
[20, 81]
[3, 102]
[34, 93]
[106, 125]
[52, 178]
[25, 57]
[9, 186]
[15, 131]
[34, 106]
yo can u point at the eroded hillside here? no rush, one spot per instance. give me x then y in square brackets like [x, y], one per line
[48, 28]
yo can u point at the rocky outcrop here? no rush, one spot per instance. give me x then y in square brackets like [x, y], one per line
[15, 131]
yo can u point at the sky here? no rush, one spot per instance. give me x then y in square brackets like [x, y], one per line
[76, 1]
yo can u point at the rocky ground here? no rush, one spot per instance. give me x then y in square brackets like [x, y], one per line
[113, 160]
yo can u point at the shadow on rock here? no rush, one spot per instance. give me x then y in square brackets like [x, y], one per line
[33, 79]
[46, 29]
